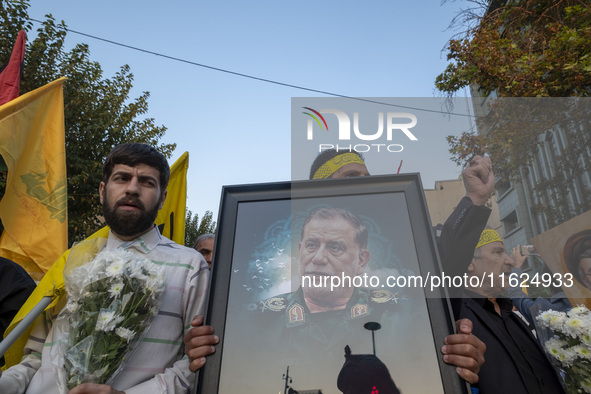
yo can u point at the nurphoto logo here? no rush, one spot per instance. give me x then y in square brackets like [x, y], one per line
[396, 124]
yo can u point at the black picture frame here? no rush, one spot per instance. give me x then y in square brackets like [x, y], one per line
[246, 209]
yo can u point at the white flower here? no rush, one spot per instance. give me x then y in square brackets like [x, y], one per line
[115, 268]
[115, 289]
[566, 356]
[125, 333]
[96, 268]
[573, 326]
[552, 319]
[117, 261]
[107, 320]
[105, 316]
[139, 276]
[136, 267]
[559, 349]
[582, 351]
[155, 284]
[577, 311]
[554, 346]
[570, 346]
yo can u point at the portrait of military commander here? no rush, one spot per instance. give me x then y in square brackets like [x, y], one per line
[318, 317]
[309, 327]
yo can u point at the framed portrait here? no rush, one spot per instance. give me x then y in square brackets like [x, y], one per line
[318, 287]
[564, 249]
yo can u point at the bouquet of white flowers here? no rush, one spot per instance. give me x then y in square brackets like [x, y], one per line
[111, 301]
[567, 340]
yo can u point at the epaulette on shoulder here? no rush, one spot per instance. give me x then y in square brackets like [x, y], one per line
[273, 304]
[383, 296]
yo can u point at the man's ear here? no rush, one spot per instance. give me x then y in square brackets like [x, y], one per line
[101, 187]
[162, 199]
[363, 259]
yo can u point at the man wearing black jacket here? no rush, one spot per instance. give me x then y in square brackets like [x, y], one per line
[515, 361]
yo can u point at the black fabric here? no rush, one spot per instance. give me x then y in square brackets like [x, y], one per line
[514, 360]
[15, 287]
[365, 373]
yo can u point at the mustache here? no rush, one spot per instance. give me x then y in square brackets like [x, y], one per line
[130, 201]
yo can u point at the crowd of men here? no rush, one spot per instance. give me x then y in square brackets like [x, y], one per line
[133, 189]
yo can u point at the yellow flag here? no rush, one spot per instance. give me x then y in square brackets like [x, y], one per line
[53, 281]
[171, 218]
[34, 207]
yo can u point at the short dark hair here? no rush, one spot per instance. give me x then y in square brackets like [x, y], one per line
[327, 155]
[361, 233]
[132, 154]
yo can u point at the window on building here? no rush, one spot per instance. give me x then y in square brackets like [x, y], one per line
[510, 222]
[502, 187]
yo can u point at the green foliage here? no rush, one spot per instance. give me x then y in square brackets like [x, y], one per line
[13, 18]
[98, 111]
[517, 131]
[191, 226]
[194, 228]
[528, 48]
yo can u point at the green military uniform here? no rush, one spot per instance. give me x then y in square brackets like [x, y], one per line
[291, 327]
[282, 332]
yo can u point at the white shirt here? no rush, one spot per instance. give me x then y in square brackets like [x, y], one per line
[158, 365]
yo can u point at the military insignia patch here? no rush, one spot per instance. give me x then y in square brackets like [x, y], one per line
[382, 296]
[275, 304]
[296, 314]
[359, 310]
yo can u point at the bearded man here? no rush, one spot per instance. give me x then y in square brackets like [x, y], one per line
[133, 190]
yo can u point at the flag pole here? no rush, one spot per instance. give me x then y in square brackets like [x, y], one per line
[24, 324]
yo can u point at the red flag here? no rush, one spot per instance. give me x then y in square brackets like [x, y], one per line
[10, 77]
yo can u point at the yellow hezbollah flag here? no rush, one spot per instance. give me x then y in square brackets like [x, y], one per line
[34, 207]
[171, 218]
[52, 283]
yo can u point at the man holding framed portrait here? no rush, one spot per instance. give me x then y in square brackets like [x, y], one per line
[295, 307]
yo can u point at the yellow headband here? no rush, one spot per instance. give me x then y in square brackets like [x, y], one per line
[331, 166]
[487, 237]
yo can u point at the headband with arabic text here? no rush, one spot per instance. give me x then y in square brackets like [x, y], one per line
[331, 166]
[488, 236]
